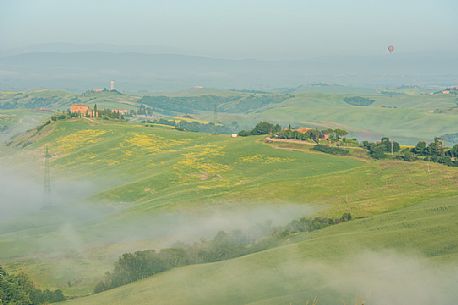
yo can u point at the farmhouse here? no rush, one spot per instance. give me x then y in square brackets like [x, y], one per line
[303, 130]
[83, 110]
[79, 108]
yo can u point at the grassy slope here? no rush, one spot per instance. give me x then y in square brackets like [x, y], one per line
[149, 170]
[160, 166]
[287, 275]
[417, 116]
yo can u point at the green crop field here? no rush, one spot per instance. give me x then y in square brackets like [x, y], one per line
[143, 173]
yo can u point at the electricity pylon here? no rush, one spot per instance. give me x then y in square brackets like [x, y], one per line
[215, 114]
[47, 178]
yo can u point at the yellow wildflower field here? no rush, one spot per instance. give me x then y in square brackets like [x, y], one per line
[263, 159]
[153, 143]
[198, 163]
[71, 142]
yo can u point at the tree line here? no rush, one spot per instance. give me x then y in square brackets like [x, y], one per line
[263, 128]
[19, 290]
[378, 150]
[331, 150]
[105, 114]
[131, 267]
[435, 151]
[198, 126]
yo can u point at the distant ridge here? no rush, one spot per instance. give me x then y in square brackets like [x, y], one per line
[167, 71]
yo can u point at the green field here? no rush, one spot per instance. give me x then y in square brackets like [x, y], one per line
[142, 173]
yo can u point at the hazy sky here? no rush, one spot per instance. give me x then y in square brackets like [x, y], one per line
[237, 28]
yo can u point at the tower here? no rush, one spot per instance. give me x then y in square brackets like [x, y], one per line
[47, 178]
[112, 85]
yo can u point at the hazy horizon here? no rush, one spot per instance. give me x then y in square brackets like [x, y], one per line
[266, 30]
[226, 44]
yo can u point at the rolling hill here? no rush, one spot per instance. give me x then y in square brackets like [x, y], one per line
[410, 115]
[121, 186]
[393, 254]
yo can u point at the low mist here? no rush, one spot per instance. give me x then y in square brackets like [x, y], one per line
[284, 276]
[387, 277]
[68, 222]
[390, 278]
[74, 229]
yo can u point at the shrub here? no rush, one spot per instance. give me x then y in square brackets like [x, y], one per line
[331, 150]
[358, 101]
[244, 133]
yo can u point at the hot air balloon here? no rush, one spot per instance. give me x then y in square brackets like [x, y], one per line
[391, 49]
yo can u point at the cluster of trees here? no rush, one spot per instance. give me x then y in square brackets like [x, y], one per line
[19, 290]
[333, 135]
[312, 134]
[105, 114]
[378, 150]
[331, 150]
[199, 126]
[92, 92]
[434, 151]
[358, 101]
[305, 224]
[261, 128]
[264, 128]
[131, 267]
[110, 114]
